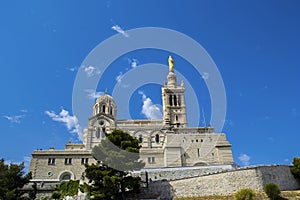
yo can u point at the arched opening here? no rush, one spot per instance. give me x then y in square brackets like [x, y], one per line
[103, 108]
[98, 133]
[110, 110]
[200, 164]
[96, 109]
[179, 100]
[140, 138]
[175, 100]
[157, 138]
[66, 176]
[170, 100]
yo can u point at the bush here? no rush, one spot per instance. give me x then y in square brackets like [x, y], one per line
[272, 190]
[56, 195]
[245, 194]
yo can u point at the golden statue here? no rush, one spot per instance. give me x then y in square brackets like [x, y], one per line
[171, 64]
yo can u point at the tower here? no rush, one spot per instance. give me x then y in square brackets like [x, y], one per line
[103, 121]
[173, 100]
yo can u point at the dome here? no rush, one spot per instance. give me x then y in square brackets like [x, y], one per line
[105, 98]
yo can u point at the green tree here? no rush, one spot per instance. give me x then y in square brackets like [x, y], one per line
[67, 188]
[118, 155]
[272, 190]
[296, 167]
[12, 178]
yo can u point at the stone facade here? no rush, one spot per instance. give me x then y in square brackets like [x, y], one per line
[167, 142]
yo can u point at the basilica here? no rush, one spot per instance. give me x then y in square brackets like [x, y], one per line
[166, 143]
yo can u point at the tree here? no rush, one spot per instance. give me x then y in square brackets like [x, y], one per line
[12, 178]
[296, 167]
[118, 155]
[66, 188]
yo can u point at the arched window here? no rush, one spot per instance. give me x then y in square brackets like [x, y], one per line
[98, 133]
[65, 176]
[103, 108]
[110, 110]
[176, 117]
[179, 99]
[170, 100]
[175, 100]
[140, 138]
[157, 138]
[96, 109]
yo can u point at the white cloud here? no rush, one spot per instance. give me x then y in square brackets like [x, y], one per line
[245, 159]
[119, 78]
[120, 30]
[150, 110]
[133, 62]
[205, 75]
[72, 69]
[14, 119]
[71, 122]
[91, 70]
[92, 94]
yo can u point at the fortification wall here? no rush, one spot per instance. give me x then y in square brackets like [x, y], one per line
[177, 173]
[229, 182]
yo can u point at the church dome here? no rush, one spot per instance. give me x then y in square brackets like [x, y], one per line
[105, 104]
[105, 98]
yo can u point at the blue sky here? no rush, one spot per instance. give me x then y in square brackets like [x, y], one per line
[255, 45]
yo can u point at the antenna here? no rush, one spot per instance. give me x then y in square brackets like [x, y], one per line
[204, 122]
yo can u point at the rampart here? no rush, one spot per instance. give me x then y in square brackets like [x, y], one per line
[227, 182]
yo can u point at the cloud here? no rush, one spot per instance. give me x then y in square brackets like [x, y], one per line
[71, 122]
[133, 62]
[91, 70]
[119, 78]
[244, 158]
[16, 119]
[72, 69]
[205, 75]
[92, 94]
[119, 30]
[150, 110]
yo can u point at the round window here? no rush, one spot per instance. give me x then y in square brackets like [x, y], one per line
[50, 173]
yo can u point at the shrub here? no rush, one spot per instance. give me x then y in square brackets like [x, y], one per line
[272, 190]
[56, 195]
[245, 194]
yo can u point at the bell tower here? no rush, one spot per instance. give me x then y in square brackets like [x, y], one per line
[173, 100]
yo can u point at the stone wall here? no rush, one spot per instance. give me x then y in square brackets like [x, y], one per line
[229, 182]
[177, 173]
